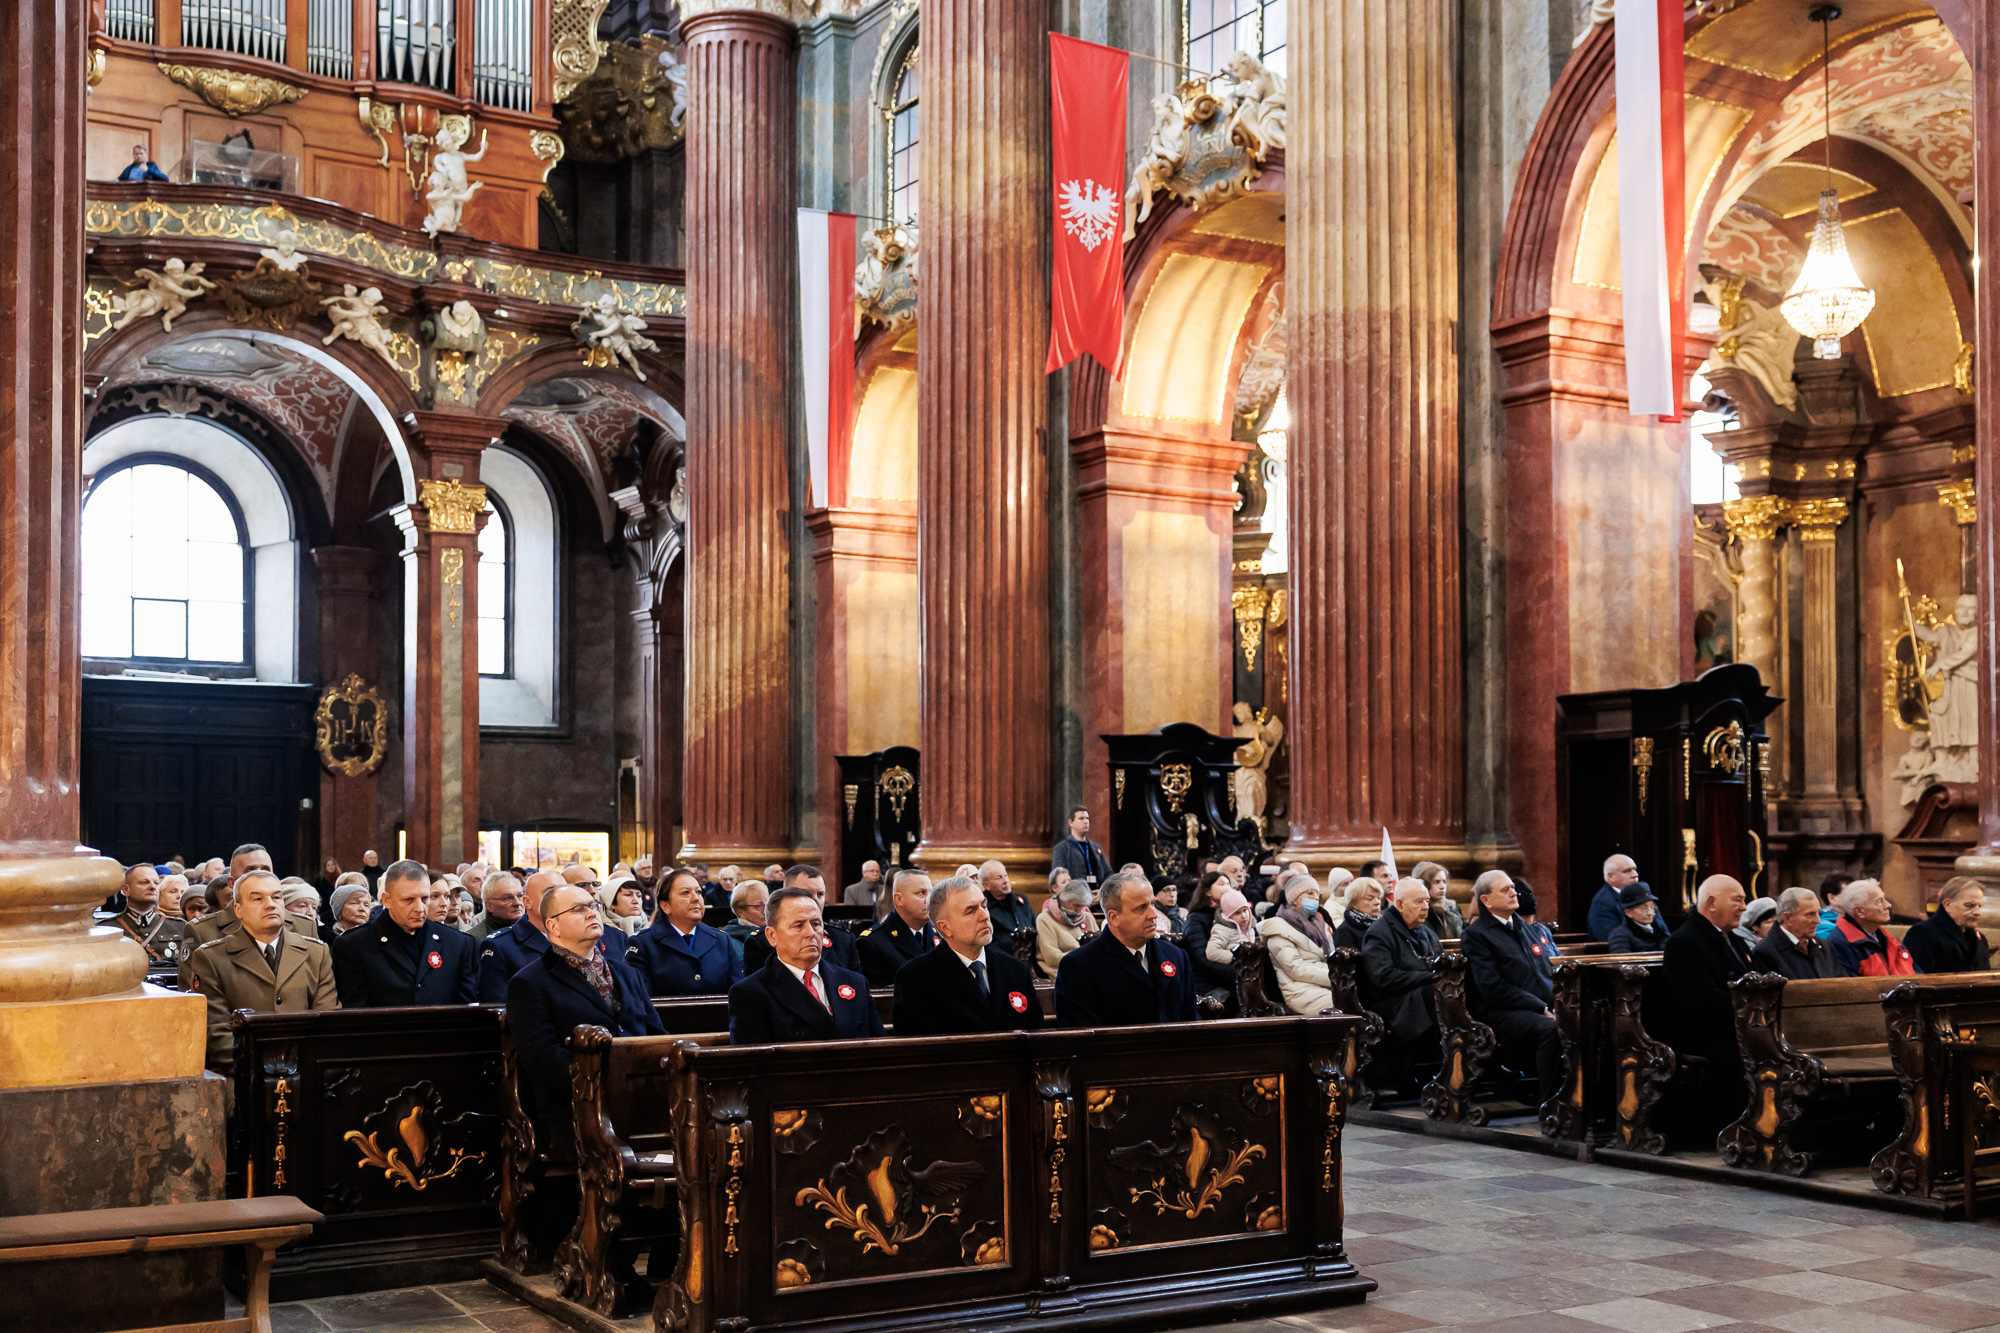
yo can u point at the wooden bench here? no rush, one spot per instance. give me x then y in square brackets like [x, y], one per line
[1138, 1176]
[1595, 1085]
[1807, 1046]
[1465, 1043]
[527, 1163]
[1343, 969]
[259, 1226]
[1936, 1024]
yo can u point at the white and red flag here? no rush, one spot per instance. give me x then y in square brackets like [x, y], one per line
[826, 348]
[1087, 85]
[1652, 206]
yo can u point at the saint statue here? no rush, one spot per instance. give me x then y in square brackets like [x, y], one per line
[1955, 709]
[1260, 738]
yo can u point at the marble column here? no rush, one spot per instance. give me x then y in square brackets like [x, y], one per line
[737, 790]
[347, 805]
[1372, 276]
[440, 704]
[1819, 523]
[1754, 522]
[982, 425]
[1983, 860]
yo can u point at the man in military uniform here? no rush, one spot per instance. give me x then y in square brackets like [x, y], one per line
[402, 957]
[150, 928]
[221, 919]
[259, 965]
[907, 934]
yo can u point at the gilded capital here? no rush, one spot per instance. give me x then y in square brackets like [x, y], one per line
[1756, 517]
[1818, 520]
[231, 91]
[453, 506]
[1960, 497]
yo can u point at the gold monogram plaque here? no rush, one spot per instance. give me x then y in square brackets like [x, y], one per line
[351, 728]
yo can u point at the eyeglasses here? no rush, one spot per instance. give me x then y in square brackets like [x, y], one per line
[588, 884]
[593, 908]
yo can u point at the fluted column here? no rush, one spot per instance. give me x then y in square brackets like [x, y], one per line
[1819, 523]
[1371, 246]
[982, 417]
[1754, 522]
[742, 114]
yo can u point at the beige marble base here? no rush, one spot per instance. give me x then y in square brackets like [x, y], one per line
[144, 1033]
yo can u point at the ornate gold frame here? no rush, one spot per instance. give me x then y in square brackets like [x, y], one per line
[353, 691]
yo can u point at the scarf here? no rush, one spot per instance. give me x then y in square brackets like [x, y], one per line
[595, 971]
[1311, 927]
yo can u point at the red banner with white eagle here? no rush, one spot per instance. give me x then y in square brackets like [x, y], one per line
[1087, 85]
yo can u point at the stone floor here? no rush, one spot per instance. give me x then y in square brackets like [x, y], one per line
[1486, 1239]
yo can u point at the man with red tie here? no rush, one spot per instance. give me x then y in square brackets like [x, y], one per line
[799, 995]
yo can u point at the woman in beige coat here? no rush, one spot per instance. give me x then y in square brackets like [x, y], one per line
[1063, 923]
[1298, 942]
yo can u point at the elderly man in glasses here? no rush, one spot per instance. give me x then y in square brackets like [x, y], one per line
[508, 951]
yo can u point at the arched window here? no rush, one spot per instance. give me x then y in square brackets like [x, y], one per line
[1216, 29]
[166, 569]
[902, 113]
[496, 594]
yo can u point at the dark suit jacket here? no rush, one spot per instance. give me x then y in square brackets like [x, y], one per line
[1628, 936]
[546, 1002]
[1775, 953]
[770, 1005]
[671, 967]
[836, 944]
[508, 951]
[1508, 976]
[1012, 917]
[1605, 913]
[1396, 980]
[936, 995]
[1939, 944]
[1700, 963]
[884, 949]
[373, 967]
[1083, 860]
[1100, 984]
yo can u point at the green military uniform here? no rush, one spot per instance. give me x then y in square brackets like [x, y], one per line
[160, 935]
[217, 924]
[232, 973]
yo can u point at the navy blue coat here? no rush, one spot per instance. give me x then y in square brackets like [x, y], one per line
[546, 1002]
[373, 967]
[1100, 984]
[884, 949]
[771, 1005]
[508, 951]
[936, 995]
[1510, 973]
[710, 967]
[836, 944]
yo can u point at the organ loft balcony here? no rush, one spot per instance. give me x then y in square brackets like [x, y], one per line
[347, 101]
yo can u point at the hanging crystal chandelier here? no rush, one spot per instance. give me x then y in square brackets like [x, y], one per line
[1828, 301]
[1274, 439]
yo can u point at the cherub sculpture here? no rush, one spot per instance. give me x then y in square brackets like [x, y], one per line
[675, 71]
[1166, 151]
[451, 187]
[165, 294]
[1257, 120]
[613, 335]
[359, 315]
[283, 252]
[458, 328]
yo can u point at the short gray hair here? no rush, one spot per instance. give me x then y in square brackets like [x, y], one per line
[1793, 900]
[1489, 882]
[1611, 863]
[493, 884]
[1076, 891]
[896, 884]
[1955, 887]
[1112, 892]
[942, 890]
[1855, 893]
[406, 870]
[739, 897]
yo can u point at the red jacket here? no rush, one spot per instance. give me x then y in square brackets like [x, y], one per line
[1862, 955]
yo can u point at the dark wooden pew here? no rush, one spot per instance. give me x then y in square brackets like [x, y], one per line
[1595, 1085]
[1465, 1043]
[1810, 1048]
[388, 1122]
[1076, 1178]
[1344, 970]
[1933, 1029]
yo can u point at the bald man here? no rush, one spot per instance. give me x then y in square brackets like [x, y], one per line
[507, 951]
[1699, 962]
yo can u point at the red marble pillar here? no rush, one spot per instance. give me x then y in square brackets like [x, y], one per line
[1371, 269]
[440, 713]
[1984, 34]
[41, 413]
[982, 423]
[347, 806]
[737, 791]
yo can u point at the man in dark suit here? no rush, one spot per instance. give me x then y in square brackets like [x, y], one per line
[677, 954]
[1125, 974]
[1512, 992]
[905, 936]
[1699, 962]
[401, 957]
[1396, 981]
[1084, 859]
[1791, 949]
[966, 984]
[1012, 916]
[571, 983]
[507, 951]
[833, 941]
[1606, 911]
[798, 995]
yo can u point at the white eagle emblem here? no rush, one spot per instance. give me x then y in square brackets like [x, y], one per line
[1089, 212]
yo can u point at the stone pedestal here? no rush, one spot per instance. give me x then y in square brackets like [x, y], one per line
[982, 419]
[1372, 287]
[440, 713]
[737, 794]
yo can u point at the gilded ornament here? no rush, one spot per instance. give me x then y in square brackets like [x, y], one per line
[1118, 782]
[230, 91]
[547, 147]
[1176, 780]
[899, 1202]
[1818, 520]
[1961, 370]
[1250, 603]
[1961, 498]
[1723, 748]
[1756, 517]
[93, 70]
[351, 728]
[1642, 766]
[418, 1156]
[280, 1113]
[379, 119]
[1201, 1161]
[898, 782]
[851, 793]
[574, 48]
[453, 564]
[454, 506]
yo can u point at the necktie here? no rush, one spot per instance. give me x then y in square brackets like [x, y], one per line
[812, 989]
[271, 956]
[979, 975]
